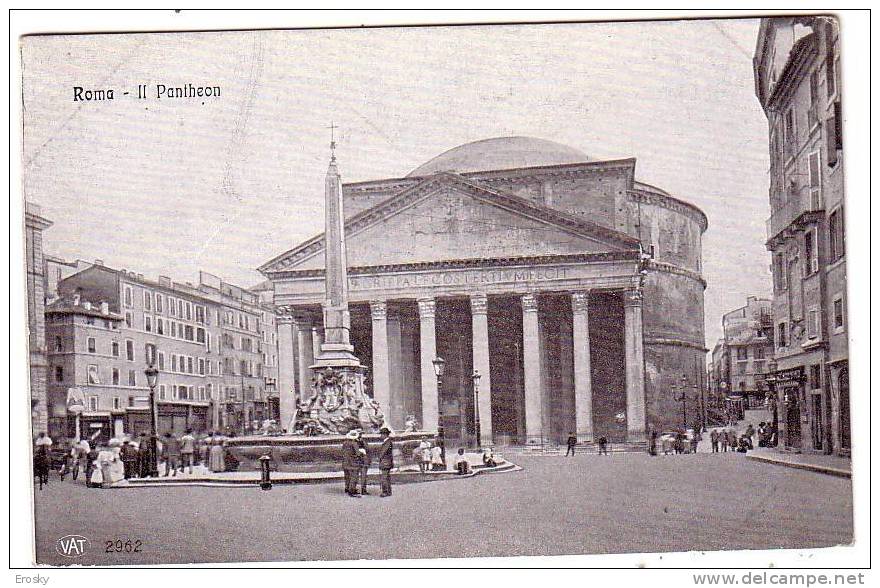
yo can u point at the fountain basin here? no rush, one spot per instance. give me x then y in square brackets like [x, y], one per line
[320, 453]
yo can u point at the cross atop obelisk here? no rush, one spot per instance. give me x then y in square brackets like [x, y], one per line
[336, 350]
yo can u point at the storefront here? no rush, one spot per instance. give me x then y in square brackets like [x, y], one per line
[790, 395]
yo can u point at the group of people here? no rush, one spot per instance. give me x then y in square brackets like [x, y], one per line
[127, 458]
[356, 462]
[431, 457]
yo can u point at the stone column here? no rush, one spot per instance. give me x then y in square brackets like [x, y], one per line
[583, 387]
[480, 326]
[381, 360]
[532, 369]
[635, 365]
[286, 368]
[394, 414]
[317, 339]
[305, 357]
[428, 339]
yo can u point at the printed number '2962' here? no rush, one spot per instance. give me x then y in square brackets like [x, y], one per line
[120, 546]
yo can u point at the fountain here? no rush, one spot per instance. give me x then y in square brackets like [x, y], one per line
[339, 402]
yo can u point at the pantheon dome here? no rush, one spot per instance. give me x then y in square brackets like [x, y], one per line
[501, 153]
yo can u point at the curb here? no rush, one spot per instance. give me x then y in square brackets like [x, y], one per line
[408, 478]
[803, 466]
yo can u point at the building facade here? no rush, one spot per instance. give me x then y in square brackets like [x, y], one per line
[741, 358]
[34, 225]
[573, 290]
[108, 325]
[797, 81]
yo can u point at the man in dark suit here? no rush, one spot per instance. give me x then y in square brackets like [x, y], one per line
[351, 462]
[386, 460]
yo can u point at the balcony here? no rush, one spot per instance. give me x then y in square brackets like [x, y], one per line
[799, 204]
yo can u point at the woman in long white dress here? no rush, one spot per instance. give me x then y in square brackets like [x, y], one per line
[215, 458]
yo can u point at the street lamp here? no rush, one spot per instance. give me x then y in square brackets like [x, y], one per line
[439, 368]
[476, 378]
[683, 400]
[152, 375]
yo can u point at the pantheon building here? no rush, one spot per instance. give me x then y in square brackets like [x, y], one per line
[573, 289]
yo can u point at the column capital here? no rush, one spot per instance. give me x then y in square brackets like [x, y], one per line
[632, 297]
[427, 308]
[479, 303]
[580, 301]
[378, 309]
[529, 303]
[284, 315]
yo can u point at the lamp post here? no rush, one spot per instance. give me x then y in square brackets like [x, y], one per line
[683, 400]
[152, 375]
[439, 368]
[476, 378]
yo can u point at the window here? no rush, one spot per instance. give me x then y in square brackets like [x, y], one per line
[173, 328]
[201, 392]
[210, 391]
[91, 344]
[159, 302]
[128, 319]
[759, 353]
[835, 234]
[148, 324]
[200, 314]
[813, 324]
[59, 344]
[117, 405]
[115, 376]
[172, 306]
[811, 253]
[173, 362]
[188, 308]
[161, 358]
[127, 297]
[201, 366]
[838, 314]
[815, 377]
[93, 403]
[788, 137]
[59, 373]
[830, 74]
[93, 375]
[189, 365]
[129, 350]
[162, 391]
[180, 312]
[160, 326]
[131, 400]
[114, 348]
[148, 300]
[781, 335]
[779, 274]
[815, 181]
[742, 353]
[132, 378]
[210, 368]
[200, 335]
[150, 353]
[219, 368]
[813, 112]
[208, 342]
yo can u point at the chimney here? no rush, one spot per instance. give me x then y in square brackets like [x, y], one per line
[140, 276]
[76, 299]
[99, 262]
[165, 281]
[105, 308]
[87, 305]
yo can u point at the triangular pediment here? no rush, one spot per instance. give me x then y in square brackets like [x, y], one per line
[448, 217]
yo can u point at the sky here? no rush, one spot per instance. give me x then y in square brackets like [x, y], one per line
[223, 185]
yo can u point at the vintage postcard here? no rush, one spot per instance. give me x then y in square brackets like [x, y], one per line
[408, 293]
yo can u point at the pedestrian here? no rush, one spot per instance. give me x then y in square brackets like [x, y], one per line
[41, 464]
[216, 462]
[462, 466]
[713, 438]
[91, 461]
[424, 455]
[750, 433]
[364, 451]
[603, 445]
[171, 454]
[725, 440]
[652, 443]
[437, 464]
[386, 461]
[187, 451]
[145, 455]
[350, 462]
[489, 458]
[129, 459]
[570, 443]
[81, 454]
[695, 440]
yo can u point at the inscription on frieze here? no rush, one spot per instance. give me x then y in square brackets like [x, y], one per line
[458, 278]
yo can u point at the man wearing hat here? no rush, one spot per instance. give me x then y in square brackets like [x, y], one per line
[386, 460]
[351, 462]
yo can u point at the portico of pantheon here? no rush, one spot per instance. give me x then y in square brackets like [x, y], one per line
[574, 290]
